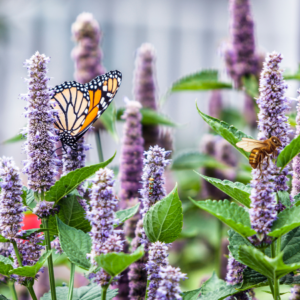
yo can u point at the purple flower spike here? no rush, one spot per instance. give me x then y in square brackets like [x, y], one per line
[132, 153]
[145, 88]
[87, 54]
[41, 161]
[169, 284]
[11, 207]
[239, 53]
[158, 257]
[44, 209]
[295, 293]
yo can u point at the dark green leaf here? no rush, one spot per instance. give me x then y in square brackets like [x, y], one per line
[67, 183]
[31, 271]
[290, 245]
[163, 221]
[286, 221]
[200, 81]
[75, 243]
[250, 83]
[72, 214]
[230, 213]
[2, 297]
[190, 295]
[123, 215]
[194, 160]
[27, 196]
[17, 138]
[236, 240]
[236, 190]
[115, 263]
[253, 279]
[89, 292]
[229, 133]
[28, 232]
[6, 265]
[288, 153]
[269, 267]
[108, 118]
[297, 199]
[284, 198]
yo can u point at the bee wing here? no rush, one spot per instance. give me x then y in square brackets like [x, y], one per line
[249, 144]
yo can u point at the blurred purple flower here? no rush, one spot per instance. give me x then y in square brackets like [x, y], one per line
[145, 88]
[295, 293]
[45, 209]
[11, 207]
[56, 245]
[215, 105]
[41, 163]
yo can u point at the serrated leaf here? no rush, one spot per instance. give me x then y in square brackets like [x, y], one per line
[27, 196]
[2, 297]
[67, 183]
[31, 271]
[250, 83]
[163, 221]
[72, 214]
[290, 246]
[28, 232]
[284, 198]
[123, 215]
[194, 160]
[229, 133]
[115, 263]
[230, 213]
[269, 267]
[236, 190]
[17, 138]
[6, 265]
[150, 117]
[200, 81]
[89, 292]
[286, 221]
[75, 243]
[190, 295]
[108, 118]
[288, 153]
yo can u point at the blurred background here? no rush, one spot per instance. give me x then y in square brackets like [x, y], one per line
[187, 36]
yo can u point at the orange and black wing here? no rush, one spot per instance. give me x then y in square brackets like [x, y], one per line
[102, 91]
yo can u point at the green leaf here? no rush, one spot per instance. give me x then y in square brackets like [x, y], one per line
[108, 119]
[250, 83]
[6, 265]
[115, 263]
[194, 160]
[67, 183]
[2, 297]
[75, 243]
[284, 198]
[89, 292]
[229, 133]
[3, 239]
[288, 153]
[27, 196]
[297, 199]
[150, 117]
[230, 213]
[190, 295]
[236, 190]
[286, 221]
[269, 267]
[292, 76]
[72, 214]
[31, 271]
[253, 279]
[28, 232]
[290, 245]
[17, 138]
[200, 81]
[123, 215]
[163, 221]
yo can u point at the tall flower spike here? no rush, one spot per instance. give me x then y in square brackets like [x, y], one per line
[272, 122]
[131, 166]
[169, 285]
[145, 88]
[158, 257]
[239, 53]
[41, 138]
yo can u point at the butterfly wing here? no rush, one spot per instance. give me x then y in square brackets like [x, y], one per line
[249, 144]
[102, 91]
[71, 99]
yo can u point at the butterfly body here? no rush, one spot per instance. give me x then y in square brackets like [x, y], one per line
[80, 105]
[259, 149]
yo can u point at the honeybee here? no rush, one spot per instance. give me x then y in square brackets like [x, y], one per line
[259, 150]
[151, 182]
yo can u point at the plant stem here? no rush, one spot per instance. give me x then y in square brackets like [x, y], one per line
[146, 296]
[219, 249]
[274, 252]
[13, 292]
[103, 291]
[99, 146]
[271, 286]
[32, 293]
[17, 253]
[50, 262]
[71, 284]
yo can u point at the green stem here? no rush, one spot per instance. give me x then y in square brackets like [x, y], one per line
[274, 252]
[50, 261]
[148, 282]
[17, 252]
[219, 249]
[13, 292]
[99, 146]
[276, 289]
[71, 284]
[103, 291]
[32, 293]
[271, 286]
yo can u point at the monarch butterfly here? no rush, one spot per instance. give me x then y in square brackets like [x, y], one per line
[80, 105]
